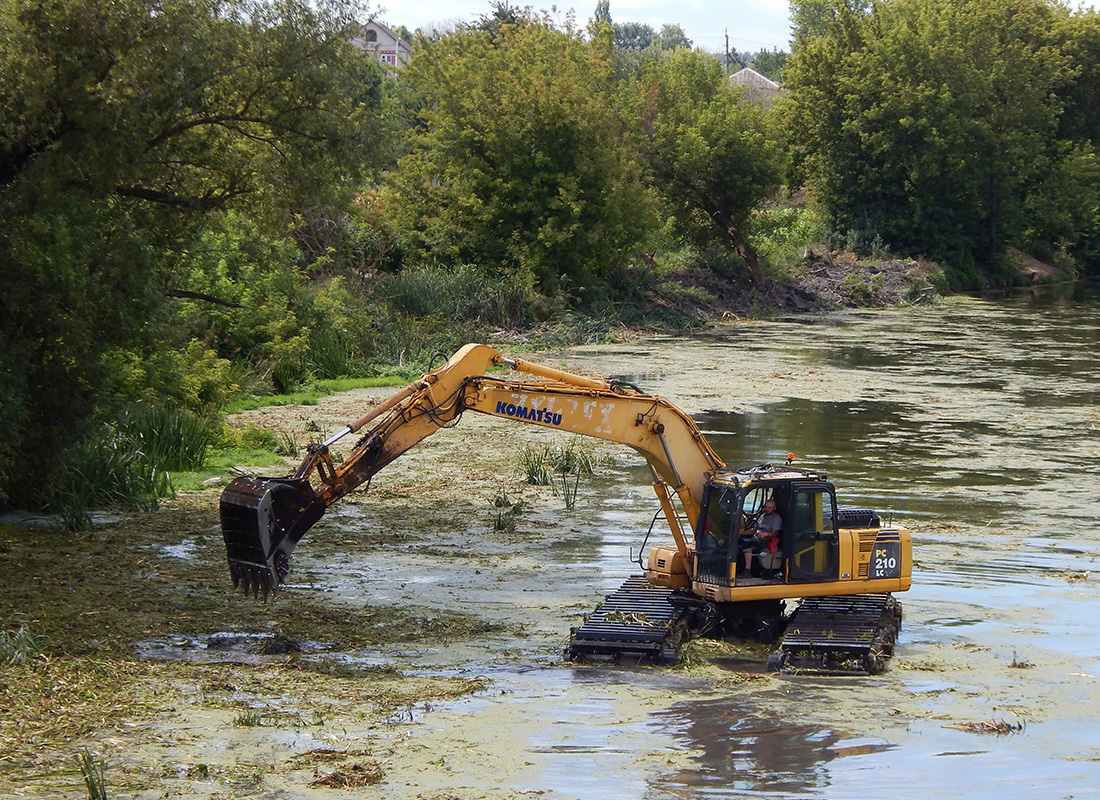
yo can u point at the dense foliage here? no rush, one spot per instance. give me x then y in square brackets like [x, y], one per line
[952, 128]
[129, 129]
[207, 198]
[519, 164]
[715, 158]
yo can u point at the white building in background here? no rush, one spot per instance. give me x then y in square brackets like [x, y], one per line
[756, 87]
[390, 48]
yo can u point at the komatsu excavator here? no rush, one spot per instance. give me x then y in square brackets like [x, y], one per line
[838, 565]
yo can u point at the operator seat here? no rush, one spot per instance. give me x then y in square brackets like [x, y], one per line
[770, 563]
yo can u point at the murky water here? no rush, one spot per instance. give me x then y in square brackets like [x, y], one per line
[975, 422]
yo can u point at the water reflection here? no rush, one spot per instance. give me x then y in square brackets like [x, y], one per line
[873, 449]
[968, 411]
[742, 750]
[977, 422]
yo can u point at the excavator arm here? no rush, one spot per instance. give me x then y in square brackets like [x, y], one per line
[264, 518]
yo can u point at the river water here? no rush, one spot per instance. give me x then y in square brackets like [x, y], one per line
[975, 422]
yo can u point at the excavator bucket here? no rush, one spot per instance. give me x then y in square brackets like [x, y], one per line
[262, 520]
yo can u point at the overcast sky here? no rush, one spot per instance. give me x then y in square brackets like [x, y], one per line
[752, 24]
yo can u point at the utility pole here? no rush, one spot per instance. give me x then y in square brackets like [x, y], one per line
[727, 31]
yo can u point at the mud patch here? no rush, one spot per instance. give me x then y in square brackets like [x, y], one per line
[842, 279]
[234, 647]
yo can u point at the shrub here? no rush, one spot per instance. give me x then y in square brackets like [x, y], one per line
[333, 354]
[860, 289]
[782, 234]
[463, 294]
[19, 646]
[126, 465]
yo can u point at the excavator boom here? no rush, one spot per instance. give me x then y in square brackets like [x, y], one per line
[264, 518]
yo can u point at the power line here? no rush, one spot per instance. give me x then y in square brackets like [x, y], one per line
[737, 40]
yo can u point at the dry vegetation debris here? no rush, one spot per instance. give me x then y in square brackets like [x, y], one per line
[996, 727]
[842, 279]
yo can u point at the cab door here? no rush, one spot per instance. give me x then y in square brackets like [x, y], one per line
[715, 535]
[812, 540]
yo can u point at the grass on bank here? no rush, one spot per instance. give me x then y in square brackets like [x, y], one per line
[154, 451]
[309, 395]
[252, 448]
[225, 462]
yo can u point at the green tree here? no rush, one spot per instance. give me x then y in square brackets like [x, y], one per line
[521, 164]
[602, 14]
[127, 126]
[714, 158]
[503, 13]
[934, 124]
[815, 18]
[1080, 123]
[770, 63]
[1081, 120]
[671, 37]
[633, 35]
[636, 43]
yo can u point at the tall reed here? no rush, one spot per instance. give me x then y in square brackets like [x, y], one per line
[171, 439]
[126, 465]
[91, 768]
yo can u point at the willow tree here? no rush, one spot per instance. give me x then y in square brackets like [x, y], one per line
[713, 156]
[128, 127]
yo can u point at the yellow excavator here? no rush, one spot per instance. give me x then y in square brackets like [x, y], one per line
[837, 566]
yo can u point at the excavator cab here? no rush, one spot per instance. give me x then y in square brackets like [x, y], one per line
[824, 549]
[808, 548]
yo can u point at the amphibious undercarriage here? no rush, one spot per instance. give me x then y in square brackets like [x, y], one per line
[641, 623]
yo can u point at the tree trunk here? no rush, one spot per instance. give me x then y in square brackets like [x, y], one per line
[992, 240]
[740, 243]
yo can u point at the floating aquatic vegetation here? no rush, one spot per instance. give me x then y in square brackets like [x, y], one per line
[996, 727]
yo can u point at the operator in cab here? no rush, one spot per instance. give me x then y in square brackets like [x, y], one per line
[762, 535]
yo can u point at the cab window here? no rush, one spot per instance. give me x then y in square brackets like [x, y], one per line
[753, 504]
[813, 513]
[712, 539]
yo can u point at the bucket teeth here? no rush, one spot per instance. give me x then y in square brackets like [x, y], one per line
[253, 579]
[262, 520]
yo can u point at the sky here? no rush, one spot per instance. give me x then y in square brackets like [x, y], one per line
[751, 24]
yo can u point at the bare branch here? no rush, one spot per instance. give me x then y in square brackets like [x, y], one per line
[209, 298]
[207, 201]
